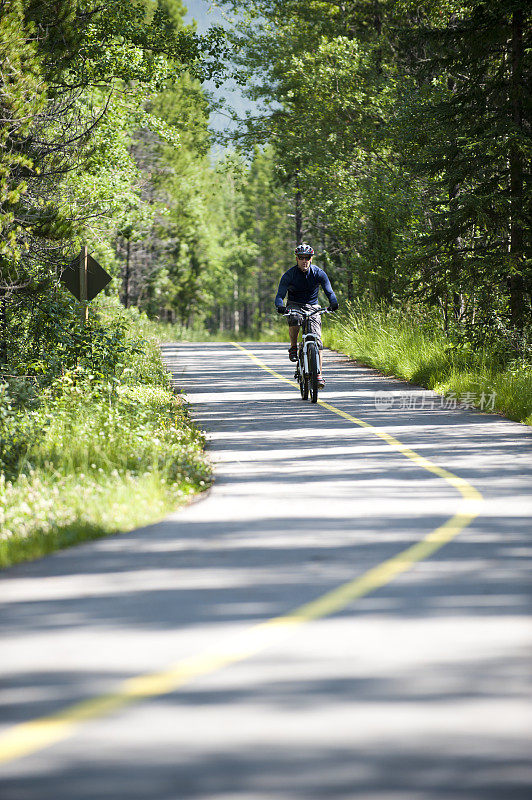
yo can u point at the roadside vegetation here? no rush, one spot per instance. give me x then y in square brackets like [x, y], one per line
[103, 447]
[412, 345]
[393, 135]
[273, 330]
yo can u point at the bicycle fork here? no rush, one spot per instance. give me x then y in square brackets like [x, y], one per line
[308, 339]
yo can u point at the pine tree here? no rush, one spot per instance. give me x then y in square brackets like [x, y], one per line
[21, 104]
[470, 138]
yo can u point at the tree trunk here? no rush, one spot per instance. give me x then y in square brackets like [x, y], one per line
[457, 297]
[377, 23]
[299, 217]
[349, 283]
[126, 276]
[445, 313]
[259, 299]
[3, 331]
[515, 280]
[236, 314]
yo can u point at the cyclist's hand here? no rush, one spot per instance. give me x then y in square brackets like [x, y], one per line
[281, 309]
[333, 307]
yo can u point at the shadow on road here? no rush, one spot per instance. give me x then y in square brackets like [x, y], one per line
[258, 556]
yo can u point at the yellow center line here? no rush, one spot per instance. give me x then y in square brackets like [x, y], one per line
[29, 737]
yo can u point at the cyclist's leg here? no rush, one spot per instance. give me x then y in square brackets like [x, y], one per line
[292, 350]
[320, 367]
[293, 332]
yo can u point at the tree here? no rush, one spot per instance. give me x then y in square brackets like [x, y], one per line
[404, 129]
[469, 137]
[76, 82]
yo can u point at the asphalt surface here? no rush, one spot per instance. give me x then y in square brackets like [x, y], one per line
[419, 690]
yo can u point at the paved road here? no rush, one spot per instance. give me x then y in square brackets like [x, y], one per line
[418, 690]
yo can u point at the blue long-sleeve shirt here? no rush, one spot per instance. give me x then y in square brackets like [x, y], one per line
[303, 287]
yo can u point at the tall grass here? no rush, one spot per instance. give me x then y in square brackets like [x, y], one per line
[136, 428]
[409, 345]
[88, 457]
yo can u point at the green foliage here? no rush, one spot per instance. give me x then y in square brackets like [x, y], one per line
[97, 450]
[253, 243]
[86, 44]
[410, 344]
[406, 127]
[466, 135]
[43, 512]
[21, 101]
[51, 338]
[82, 426]
[12, 431]
[76, 83]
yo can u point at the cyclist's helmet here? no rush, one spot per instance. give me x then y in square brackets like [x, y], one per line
[304, 250]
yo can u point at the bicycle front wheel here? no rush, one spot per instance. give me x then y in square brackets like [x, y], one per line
[303, 379]
[303, 386]
[313, 369]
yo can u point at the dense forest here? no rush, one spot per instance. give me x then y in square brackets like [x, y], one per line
[402, 131]
[105, 142]
[395, 136]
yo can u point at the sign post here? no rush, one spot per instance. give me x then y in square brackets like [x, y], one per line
[83, 256]
[85, 278]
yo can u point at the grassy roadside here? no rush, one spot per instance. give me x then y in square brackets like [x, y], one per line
[274, 330]
[411, 347]
[87, 456]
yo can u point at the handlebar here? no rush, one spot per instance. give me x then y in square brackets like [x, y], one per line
[307, 313]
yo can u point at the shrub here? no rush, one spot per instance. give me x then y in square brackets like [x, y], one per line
[99, 448]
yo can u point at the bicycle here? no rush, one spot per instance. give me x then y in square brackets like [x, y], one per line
[308, 357]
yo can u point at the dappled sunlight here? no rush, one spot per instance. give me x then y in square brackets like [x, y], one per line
[427, 676]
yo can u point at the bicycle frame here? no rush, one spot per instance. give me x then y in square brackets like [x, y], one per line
[307, 338]
[307, 368]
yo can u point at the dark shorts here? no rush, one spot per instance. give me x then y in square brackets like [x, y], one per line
[315, 321]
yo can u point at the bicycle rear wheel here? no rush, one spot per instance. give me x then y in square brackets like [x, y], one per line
[313, 373]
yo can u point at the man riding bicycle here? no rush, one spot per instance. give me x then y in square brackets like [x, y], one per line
[302, 283]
